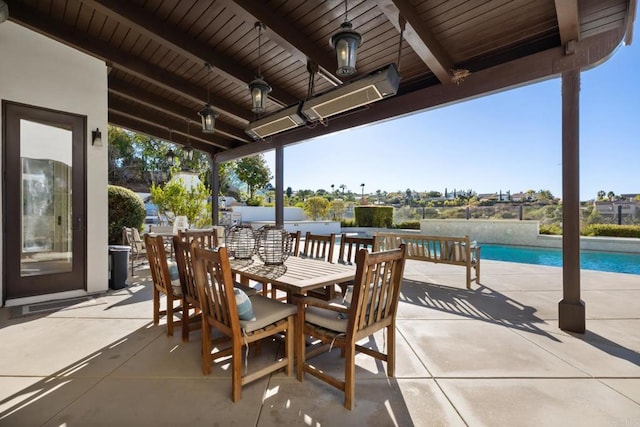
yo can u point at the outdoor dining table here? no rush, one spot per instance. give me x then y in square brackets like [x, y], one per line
[296, 276]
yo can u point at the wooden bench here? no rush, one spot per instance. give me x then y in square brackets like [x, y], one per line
[438, 249]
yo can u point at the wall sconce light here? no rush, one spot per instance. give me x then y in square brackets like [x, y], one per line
[96, 138]
[207, 115]
[346, 43]
[258, 87]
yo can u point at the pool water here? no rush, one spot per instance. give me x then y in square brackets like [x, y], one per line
[615, 262]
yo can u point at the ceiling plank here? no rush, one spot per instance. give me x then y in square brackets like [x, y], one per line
[136, 18]
[121, 88]
[125, 62]
[283, 34]
[419, 37]
[526, 70]
[568, 23]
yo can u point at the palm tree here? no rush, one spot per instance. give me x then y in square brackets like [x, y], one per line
[362, 185]
[343, 188]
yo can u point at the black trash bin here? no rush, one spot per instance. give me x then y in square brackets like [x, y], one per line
[118, 266]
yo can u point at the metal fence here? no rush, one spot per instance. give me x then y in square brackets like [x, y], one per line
[546, 214]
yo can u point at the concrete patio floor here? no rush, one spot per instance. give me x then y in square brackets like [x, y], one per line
[490, 356]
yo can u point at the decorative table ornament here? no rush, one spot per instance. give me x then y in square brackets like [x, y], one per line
[241, 241]
[273, 244]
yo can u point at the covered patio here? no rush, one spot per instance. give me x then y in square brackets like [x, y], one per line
[167, 63]
[490, 356]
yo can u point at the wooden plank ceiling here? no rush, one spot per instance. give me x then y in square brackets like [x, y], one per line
[157, 51]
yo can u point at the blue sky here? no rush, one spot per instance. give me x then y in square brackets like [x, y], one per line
[507, 141]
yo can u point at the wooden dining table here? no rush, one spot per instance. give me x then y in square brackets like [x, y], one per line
[296, 276]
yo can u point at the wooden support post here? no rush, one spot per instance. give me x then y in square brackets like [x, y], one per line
[571, 308]
[279, 183]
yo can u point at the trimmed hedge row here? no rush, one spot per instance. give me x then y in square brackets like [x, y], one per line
[374, 216]
[612, 230]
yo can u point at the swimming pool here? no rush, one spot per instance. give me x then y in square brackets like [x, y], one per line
[589, 260]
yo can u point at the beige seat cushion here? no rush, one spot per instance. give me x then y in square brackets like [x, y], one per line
[267, 311]
[326, 318]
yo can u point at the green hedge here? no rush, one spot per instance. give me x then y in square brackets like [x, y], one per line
[408, 225]
[553, 229]
[374, 216]
[126, 209]
[612, 230]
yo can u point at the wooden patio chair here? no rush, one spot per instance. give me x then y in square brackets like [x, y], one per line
[220, 310]
[320, 247]
[296, 236]
[164, 282]
[182, 244]
[349, 248]
[131, 237]
[372, 307]
[207, 238]
[192, 307]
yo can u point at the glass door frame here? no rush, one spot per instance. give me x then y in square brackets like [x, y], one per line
[14, 284]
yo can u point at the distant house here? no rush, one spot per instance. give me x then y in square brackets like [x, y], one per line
[611, 208]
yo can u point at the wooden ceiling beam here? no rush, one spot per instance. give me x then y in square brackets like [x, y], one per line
[136, 18]
[120, 88]
[178, 124]
[154, 131]
[129, 64]
[419, 37]
[294, 42]
[568, 23]
[159, 129]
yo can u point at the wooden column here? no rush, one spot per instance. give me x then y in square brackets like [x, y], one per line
[215, 190]
[279, 185]
[571, 308]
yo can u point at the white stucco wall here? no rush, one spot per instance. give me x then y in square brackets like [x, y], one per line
[41, 72]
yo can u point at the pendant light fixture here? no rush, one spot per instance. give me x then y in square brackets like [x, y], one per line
[171, 155]
[187, 150]
[207, 115]
[346, 43]
[258, 88]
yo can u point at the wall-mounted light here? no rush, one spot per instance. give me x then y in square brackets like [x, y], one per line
[346, 43]
[258, 87]
[207, 115]
[96, 138]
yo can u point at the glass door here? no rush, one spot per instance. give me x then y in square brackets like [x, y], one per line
[44, 205]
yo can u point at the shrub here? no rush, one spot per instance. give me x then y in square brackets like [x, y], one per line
[316, 207]
[374, 216]
[612, 230]
[126, 209]
[408, 225]
[553, 229]
[348, 223]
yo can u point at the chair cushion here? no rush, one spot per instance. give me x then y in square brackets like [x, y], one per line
[245, 307]
[267, 311]
[174, 276]
[326, 318]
